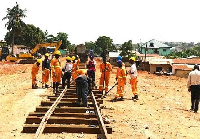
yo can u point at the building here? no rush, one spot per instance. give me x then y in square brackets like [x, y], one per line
[155, 47]
[113, 58]
[157, 65]
[182, 67]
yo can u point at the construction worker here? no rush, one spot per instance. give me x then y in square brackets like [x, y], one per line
[78, 61]
[67, 72]
[91, 68]
[120, 58]
[193, 85]
[56, 71]
[133, 81]
[46, 71]
[83, 84]
[74, 68]
[81, 72]
[121, 80]
[34, 72]
[105, 69]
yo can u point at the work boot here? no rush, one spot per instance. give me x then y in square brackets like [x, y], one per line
[136, 97]
[121, 99]
[47, 86]
[114, 100]
[34, 87]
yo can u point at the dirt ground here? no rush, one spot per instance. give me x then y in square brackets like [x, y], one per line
[160, 112]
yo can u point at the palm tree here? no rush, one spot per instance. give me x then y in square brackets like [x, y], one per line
[15, 22]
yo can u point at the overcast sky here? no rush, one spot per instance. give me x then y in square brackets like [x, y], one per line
[121, 20]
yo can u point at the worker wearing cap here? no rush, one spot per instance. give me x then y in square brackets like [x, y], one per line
[120, 58]
[46, 71]
[34, 72]
[91, 68]
[105, 69]
[67, 72]
[56, 71]
[74, 68]
[121, 80]
[133, 74]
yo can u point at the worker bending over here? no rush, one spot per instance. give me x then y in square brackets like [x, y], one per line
[56, 71]
[133, 81]
[83, 85]
[46, 71]
[105, 69]
[121, 80]
[67, 72]
[91, 69]
[34, 72]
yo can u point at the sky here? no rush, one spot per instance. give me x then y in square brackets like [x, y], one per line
[121, 20]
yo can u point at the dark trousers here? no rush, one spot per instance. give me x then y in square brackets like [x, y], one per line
[82, 91]
[195, 93]
[66, 76]
[91, 74]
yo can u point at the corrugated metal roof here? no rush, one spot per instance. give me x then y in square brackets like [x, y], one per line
[181, 67]
[186, 61]
[160, 61]
[113, 54]
[156, 44]
[149, 55]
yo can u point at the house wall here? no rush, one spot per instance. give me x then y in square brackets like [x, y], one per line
[165, 67]
[182, 73]
[164, 53]
[160, 51]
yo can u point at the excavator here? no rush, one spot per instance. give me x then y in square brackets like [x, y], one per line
[29, 58]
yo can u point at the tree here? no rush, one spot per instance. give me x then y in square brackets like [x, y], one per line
[29, 36]
[90, 46]
[65, 43]
[15, 22]
[103, 43]
[126, 49]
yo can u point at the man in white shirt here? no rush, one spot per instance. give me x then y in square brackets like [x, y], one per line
[68, 72]
[133, 80]
[193, 85]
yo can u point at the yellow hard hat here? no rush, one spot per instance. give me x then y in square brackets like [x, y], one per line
[47, 54]
[132, 58]
[68, 58]
[57, 52]
[39, 61]
[73, 57]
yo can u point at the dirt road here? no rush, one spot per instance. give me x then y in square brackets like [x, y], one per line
[160, 112]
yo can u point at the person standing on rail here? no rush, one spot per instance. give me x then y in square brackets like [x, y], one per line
[91, 69]
[67, 72]
[105, 69]
[34, 72]
[121, 80]
[56, 71]
[133, 81]
[46, 71]
[193, 85]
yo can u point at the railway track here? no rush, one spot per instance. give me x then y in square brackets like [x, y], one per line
[60, 113]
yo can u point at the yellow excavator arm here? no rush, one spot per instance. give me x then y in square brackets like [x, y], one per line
[56, 44]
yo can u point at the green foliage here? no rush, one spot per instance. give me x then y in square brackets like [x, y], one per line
[29, 36]
[90, 46]
[126, 49]
[65, 43]
[104, 43]
[15, 23]
[185, 53]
